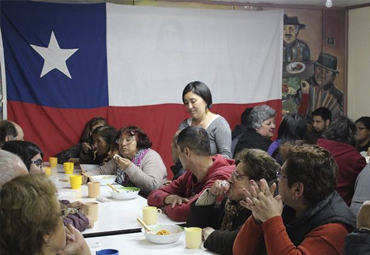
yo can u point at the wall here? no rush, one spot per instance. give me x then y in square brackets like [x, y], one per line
[359, 63]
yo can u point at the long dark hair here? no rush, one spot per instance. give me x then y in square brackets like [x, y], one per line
[292, 128]
[86, 134]
[25, 150]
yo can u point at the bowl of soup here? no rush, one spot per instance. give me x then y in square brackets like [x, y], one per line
[163, 233]
[125, 193]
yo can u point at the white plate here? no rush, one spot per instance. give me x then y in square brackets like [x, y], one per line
[103, 179]
[88, 167]
[295, 67]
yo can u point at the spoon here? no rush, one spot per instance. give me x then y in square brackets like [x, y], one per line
[147, 229]
[113, 188]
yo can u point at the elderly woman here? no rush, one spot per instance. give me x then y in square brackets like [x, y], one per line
[260, 129]
[72, 154]
[104, 146]
[314, 220]
[30, 154]
[197, 99]
[139, 165]
[30, 220]
[222, 223]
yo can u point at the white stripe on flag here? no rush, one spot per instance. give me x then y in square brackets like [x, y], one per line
[153, 52]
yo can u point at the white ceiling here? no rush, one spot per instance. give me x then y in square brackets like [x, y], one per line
[318, 3]
[336, 3]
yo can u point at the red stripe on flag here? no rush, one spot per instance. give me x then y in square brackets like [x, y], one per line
[55, 130]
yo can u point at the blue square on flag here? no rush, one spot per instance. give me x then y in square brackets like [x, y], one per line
[55, 54]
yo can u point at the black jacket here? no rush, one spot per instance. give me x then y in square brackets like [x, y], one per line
[332, 209]
[357, 243]
[220, 241]
[252, 140]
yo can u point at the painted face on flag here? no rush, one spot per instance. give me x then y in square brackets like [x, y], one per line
[267, 128]
[195, 105]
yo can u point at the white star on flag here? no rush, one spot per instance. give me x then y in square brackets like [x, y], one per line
[54, 57]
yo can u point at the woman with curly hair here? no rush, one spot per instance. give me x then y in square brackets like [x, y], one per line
[137, 164]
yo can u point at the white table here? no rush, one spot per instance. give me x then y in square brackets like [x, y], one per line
[137, 244]
[116, 216]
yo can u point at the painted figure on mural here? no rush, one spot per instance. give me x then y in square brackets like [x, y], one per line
[319, 89]
[294, 49]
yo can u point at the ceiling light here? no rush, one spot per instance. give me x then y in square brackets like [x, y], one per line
[329, 3]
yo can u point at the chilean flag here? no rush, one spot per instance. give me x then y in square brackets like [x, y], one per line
[63, 64]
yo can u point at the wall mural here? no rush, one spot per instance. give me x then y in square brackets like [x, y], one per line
[309, 72]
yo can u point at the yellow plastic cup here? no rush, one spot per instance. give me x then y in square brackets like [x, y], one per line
[53, 161]
[47, 171]
[76, 181]
[151, 214]
[68, 167]
[193, 237]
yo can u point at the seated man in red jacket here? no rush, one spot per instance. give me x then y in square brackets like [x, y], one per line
[202, 170]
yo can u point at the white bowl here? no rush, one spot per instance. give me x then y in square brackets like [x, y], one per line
[176, 232]
[103, 179]
[125, 193]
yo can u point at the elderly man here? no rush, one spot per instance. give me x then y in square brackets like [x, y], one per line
[11, 166]
[319, 89]
[10, 130]
[293, 48]
[202, 170]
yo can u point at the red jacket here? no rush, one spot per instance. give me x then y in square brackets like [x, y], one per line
[324, 240]
[185, 186]
[350, 164]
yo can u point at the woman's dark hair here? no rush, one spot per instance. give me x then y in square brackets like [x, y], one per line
[311, 165]
[109, 134]
[200, 89]
[25, 150]
[342, 129]
[142, 139]
[86, 134]
[364, 120]
[292, 128]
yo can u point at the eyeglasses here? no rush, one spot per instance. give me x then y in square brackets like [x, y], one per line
[37, 162]
[128, 140]
[280, 176]
[237, 176]
[361, 128]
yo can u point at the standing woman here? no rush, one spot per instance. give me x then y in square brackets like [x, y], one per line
[197, 99]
